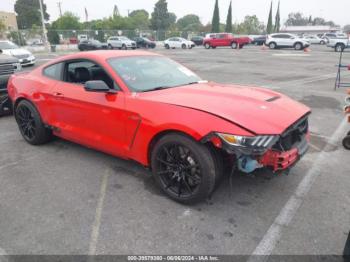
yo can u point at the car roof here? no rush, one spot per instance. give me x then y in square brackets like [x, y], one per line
[103, 55]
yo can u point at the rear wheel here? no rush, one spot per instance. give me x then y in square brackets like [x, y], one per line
[346, 142]
[298, 46]
[234, 45]
[167, 46]
[339, 48]
[183, 168]
[110, 46]
[30, 124]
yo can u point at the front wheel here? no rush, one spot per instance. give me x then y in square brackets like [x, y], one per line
[184, 46]
[30, 124]
[124, 47]
[183, 168]
[207, 46]
[167, 46]
[346, 142]
[272, 45]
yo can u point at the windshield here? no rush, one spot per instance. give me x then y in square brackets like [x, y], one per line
[123, 38]
[8, 45]
[147, 73]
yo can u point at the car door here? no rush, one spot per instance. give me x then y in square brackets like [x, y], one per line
[93, 119]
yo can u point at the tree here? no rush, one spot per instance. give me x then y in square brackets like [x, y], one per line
[28, 13]
[139, 19]
[160, 16]
[228, 27]
[215, 24]
[278, 19]
[347, 29]
[250, 25]
[116, 11]
[269, 28]
[297, 19]
[189, 22]
[68, 21]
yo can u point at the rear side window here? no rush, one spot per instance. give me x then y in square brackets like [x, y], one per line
[54, 71]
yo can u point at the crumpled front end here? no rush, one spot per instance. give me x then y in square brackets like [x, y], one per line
[275, 152]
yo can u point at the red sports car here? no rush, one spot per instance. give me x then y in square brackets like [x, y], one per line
[146, 107]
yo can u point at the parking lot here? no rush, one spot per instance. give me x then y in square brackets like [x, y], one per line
[62, 198]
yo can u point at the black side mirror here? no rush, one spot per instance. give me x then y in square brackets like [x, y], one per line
[97, 86]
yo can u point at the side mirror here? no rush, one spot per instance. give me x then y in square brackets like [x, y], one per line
[0, 51]
[97, 86]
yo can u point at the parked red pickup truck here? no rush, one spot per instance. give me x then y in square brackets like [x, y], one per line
[225, 39]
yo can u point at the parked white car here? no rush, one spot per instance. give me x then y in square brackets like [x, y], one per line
[178, 42]
[25, 57]
[283, 40]
[339, 44]
[312, 39]
[121, 42]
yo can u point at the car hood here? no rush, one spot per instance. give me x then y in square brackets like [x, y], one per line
[258, 110]
[16, 52]
[7, 59]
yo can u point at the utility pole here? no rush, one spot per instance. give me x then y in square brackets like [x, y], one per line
[43, 22]
[59, 4]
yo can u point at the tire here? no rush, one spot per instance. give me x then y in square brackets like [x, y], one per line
[167, 46]
[133, 48]
[322, 42]
[183, 46]
[207, 46]
[346, 142]
[234, 45]
[219, 165]
[339, 48]
[272, 45]
[124, 47]
[5, 105]
[110, 47]
[298, 46]
[183, 168]
[35, 132]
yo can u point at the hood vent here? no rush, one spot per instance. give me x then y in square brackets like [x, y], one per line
[273, 99]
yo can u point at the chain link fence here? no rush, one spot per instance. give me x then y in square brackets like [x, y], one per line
[34, 37]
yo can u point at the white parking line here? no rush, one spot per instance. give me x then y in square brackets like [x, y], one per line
[98, 214]
[273, 235]
[3, 255]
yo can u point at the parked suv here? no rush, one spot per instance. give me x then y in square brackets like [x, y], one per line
[286, 41]
[120, 42]
[225, 39]
[8, 65]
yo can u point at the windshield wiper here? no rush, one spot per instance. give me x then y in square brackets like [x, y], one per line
[157, 88]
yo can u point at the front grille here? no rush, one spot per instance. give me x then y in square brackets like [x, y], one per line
[21, 56]
[7, 69]
[293, 135]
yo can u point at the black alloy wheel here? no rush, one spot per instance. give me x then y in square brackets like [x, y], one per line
[30, 124]
[183, 168]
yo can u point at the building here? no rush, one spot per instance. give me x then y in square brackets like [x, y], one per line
[310, 29]
[9, 19]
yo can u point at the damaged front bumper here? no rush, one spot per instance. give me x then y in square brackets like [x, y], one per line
[281, 153]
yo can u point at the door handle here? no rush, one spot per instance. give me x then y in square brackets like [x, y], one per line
[57, 94]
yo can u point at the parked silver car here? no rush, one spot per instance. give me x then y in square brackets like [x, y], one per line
[121, 42]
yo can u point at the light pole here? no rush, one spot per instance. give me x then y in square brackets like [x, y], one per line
[43, 23]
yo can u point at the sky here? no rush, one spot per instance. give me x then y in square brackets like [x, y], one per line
[336, 10]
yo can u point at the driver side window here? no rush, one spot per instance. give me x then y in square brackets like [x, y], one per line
[79, 72]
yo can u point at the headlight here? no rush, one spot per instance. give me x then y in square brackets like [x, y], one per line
[17, 66]
[256, 142]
